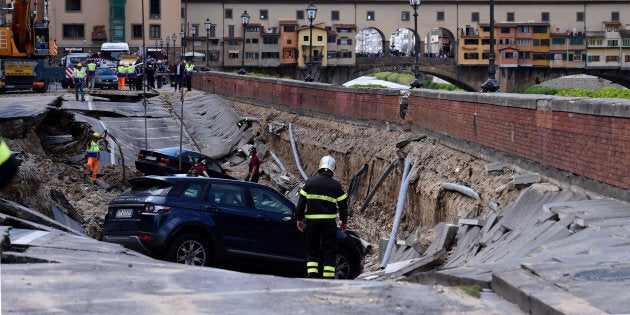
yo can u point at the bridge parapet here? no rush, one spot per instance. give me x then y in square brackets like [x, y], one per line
[560, 137]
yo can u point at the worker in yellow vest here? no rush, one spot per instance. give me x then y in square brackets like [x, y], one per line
[189, 72]
[131, 76]
[122, 74]
[8, 165]
[79, 81]
[91, 73]
[93, 154]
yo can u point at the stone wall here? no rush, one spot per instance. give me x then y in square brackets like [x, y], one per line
[586, 137]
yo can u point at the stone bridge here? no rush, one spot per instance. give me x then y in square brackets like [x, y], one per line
[469, 78]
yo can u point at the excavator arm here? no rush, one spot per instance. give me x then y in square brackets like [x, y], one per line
[22, 26]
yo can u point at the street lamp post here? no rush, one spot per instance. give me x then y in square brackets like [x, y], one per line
[193, 32]
[417, 83]
[207, 25]
[245, 21]
[161, 45]
[491, 85]
[174, 47]
[181, 35]
[311, 13]
[168, 43]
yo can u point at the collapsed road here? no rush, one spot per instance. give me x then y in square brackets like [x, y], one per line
[435, 164]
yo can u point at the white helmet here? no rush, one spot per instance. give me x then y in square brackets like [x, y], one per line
[327, 162]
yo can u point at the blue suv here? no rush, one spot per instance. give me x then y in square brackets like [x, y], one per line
[219, 222]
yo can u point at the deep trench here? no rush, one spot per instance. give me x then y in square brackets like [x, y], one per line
[354, 146]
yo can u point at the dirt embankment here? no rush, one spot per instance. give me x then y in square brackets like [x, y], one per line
[353, 146]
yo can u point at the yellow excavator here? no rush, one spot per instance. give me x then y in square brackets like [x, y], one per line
[25, 49]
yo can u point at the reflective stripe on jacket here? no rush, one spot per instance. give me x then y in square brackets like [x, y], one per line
[321, 198]
[122, 71]
[79, 75]
[131, 71]
[189, 70]
[5, 152]
[91, 68]
[93, 149]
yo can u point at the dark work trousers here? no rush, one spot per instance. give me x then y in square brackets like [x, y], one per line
[188, 82]
[321, 238]
[178, 82]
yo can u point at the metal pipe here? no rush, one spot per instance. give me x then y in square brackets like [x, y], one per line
[402, 194]
[462, 189]
[378, 185]
[295, 153]
[275, 158]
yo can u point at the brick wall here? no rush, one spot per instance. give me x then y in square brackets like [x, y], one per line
[586, 137]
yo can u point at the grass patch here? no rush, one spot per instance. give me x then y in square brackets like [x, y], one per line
[406, 77]
[472, 290]
[607, 92]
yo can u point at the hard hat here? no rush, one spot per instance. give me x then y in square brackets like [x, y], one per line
[96, 135]
[79, 65]
[204, 162]
[327, 162]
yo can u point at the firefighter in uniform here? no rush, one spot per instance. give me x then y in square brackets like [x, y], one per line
[8, 165]
[318, 203]
[122, 74]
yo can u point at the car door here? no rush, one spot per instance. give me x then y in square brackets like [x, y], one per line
[276, 231]
[227, 205]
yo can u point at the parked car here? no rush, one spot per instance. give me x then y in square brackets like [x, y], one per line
[105, 78]
[166, 162]
[211, 221]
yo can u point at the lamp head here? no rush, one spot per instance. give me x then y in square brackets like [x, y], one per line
[311, 11]
[245, 17]
[207, 24]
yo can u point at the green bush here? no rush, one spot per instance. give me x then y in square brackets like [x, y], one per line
[546, 90]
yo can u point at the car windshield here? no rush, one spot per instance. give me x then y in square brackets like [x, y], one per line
[149, 186]
[105, 71]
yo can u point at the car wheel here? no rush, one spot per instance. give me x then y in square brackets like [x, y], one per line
[189, 249]
[346, 265]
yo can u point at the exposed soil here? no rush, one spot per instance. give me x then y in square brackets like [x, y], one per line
[353, 145]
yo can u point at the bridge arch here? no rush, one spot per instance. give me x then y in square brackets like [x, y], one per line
[369, 41]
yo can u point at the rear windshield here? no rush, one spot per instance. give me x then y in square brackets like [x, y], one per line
[169, 151]
[105, 71]
[148, 186]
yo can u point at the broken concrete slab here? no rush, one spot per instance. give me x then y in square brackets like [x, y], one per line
[493, 167]
[405, 141]
[526, 179]
[536, 296]
[406, 267]
[445, 234]
[477, 222]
